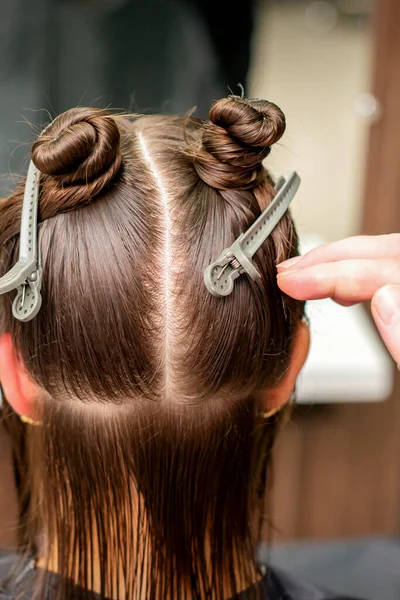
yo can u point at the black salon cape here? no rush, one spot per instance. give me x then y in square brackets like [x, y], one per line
[275, 585]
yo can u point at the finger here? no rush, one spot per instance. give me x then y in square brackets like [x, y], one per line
[359, 247]
[344, 302]
[385, 308]
[346, 281]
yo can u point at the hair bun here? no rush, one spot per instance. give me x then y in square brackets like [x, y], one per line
[80, 148]
[237, 139]
[254, 122]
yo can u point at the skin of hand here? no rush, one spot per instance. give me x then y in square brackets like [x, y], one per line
[356, 269]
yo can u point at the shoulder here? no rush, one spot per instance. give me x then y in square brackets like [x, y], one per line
[275, 585]
[16, 573]
[280, 585]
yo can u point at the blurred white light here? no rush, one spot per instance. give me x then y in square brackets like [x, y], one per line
[367, 107]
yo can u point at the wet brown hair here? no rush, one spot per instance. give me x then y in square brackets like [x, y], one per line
[152, 453]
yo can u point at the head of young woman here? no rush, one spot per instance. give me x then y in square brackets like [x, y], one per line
[148, 469]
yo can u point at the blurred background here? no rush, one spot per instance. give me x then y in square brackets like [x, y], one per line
[333, 66]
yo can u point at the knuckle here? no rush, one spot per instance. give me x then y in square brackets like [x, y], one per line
[395, 244]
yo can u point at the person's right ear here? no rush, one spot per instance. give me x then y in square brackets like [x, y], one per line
[275, 398]
[21, 392]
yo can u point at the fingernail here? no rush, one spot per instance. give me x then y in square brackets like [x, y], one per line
[387, 303]
[288, 264]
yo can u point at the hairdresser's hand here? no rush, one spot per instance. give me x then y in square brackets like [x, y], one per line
[350, 271]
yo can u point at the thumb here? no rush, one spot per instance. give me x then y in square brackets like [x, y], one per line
[385, 308]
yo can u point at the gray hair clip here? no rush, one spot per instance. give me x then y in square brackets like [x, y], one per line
[26, 275]
[219, 277]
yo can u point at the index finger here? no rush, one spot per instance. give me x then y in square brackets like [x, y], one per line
[358, 247]
[345, 281]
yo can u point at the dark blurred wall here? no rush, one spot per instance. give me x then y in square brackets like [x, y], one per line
[146, 56]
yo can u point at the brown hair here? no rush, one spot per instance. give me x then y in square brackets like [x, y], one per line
[152, 453]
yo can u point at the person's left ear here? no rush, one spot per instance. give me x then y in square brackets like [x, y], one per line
[20, 391]
[275, 398]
